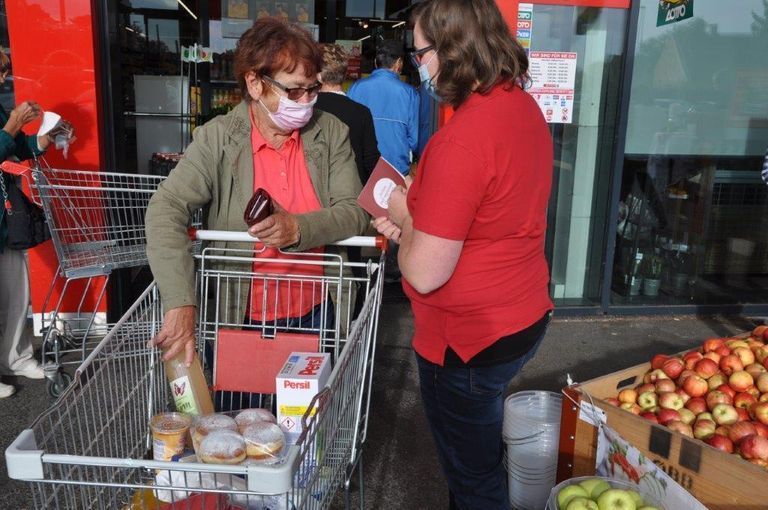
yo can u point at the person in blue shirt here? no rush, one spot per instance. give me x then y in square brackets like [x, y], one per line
[393, 104]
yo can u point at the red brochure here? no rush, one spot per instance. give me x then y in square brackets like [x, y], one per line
[375, 195]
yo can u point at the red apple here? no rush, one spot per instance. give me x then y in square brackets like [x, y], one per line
[685, 375]
[680, 427]
[704, 416]
[645, 387]
[754, 447]
[667, 415]
[760, 412]
[631, 407]
[673, 367]
[759, 331]
[649, 416]
[744, 401]
[713, 356]
[695, 386]
[628, 395]
[670, 400]
[697, 404]
[613, 401]
[716, 397]
[740, 430]
[658, 361]
[717, 380]
[730, 364]
[761, 353]
[721, 443]
[712, 344]
[686, 415]
[704, 429]
[755, 369]
[725, 414]
[755, 344]
[691, 358]
[706, 368]
[665, 386]
[761, 428]
[745, 354]
[722, 430]
[752, 390]
[743, 414]
[683, 395]
[740, 380]
[723, 351]
[727, 390]
[763, 398]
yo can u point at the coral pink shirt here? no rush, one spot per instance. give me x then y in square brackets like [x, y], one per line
[283, 173]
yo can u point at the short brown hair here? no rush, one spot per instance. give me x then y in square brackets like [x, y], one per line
[334, 64]
[273, 45]
[474, 46]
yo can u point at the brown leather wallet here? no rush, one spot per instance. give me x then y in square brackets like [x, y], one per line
[259, 207]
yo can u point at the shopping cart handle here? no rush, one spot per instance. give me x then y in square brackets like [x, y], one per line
[12, 167]
[379, 242]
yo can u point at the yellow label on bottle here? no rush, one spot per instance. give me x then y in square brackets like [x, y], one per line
[183, 397]
[296, 410]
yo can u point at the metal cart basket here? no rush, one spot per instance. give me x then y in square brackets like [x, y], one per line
[96, 220]
[90, 449]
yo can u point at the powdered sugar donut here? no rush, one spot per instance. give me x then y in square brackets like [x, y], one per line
[204, 425]
[222, 447]
[248, 417]
[263, 440]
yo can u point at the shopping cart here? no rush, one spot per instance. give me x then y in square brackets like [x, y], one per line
[96, 220]
[90, 449]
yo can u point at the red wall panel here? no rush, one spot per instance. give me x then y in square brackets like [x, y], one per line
[53, 58]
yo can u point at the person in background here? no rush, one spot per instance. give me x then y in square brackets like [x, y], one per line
[393, 104]
[356, 116]
[471, 229]
[16, 353]
[276, 140]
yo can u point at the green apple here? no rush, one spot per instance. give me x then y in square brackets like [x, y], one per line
[647, 508]
[616, 499]
[595, 487]
[567, 494]
[637, 498]
[581, 504]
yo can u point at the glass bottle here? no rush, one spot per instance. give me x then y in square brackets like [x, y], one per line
[188, 387]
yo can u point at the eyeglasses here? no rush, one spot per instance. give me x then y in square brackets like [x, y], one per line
[418, 55]
[296, 93]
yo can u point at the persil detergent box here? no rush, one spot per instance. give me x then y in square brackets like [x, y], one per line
[301, 378]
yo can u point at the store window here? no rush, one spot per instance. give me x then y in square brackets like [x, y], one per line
[693, 216]
[580, 51]
[7, 99]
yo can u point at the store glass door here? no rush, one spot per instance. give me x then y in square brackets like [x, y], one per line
[576, 51]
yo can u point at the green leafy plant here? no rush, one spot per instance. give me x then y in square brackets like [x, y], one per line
[654, 265]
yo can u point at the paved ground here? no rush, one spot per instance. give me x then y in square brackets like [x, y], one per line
[400, 466]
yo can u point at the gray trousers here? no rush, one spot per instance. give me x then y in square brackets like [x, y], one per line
[15, 346]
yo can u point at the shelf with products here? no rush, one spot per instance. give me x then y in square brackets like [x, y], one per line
[661, 234]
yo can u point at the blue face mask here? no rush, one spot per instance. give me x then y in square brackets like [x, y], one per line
[427, 81]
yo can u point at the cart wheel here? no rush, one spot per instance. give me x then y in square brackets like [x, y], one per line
[58, 384]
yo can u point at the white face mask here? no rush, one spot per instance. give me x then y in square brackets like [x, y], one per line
[291, 115]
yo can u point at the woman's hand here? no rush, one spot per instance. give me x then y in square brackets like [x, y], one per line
[278, 230]
[177, 333]
[386, 228]
[23, 114]
[47, 139]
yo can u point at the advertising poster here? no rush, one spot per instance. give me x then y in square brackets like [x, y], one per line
[354, 53]
[263, 9]
[524, 26]
[237, 9]
[553, 79]
[282, 11]
[303, 10]
[672, 11]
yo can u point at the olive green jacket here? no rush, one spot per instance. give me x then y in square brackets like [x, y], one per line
[216, 174]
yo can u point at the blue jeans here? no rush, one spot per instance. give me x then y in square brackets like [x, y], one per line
[465, 410]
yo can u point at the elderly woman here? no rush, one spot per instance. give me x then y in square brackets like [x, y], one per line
[273, 140]
[471, 229]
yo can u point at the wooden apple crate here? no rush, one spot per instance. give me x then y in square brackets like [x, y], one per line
[720, 481]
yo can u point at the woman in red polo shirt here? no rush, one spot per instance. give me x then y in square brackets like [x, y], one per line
[471, 230]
